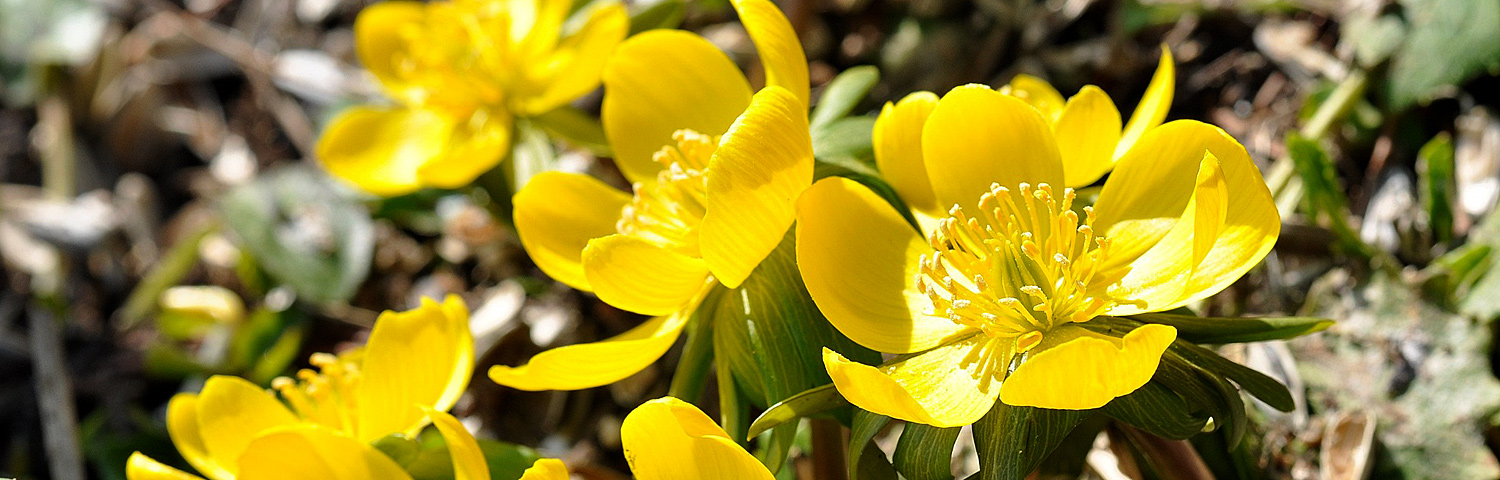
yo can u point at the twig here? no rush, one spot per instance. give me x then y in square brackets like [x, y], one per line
[54, 394]
[828, 448]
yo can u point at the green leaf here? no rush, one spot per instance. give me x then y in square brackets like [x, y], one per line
[1375, 38]
[1205, 391]
[532, 154]
[576, 127]
[660, 14]
[1449, 42]
[847, 138]
[1219, 330]
[1157, 409]
[1265, 388]
[803, 405]
[1436, 191]
[925, 452]
[861, 434]
[1013, 441]
[842, 94]
[306, 233]
[1325, 195]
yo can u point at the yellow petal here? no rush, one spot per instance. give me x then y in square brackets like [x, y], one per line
[474, 147]
[546, 469]
[579, 61]
[416, 358]
[763, 163]
[1074, 369]
[231, 412]
[948, 386]
[142, 467]
[309, 452]
[1087, 130]
[636, 275]
[1037, 93]
[977, 137]
[380, 150]
[648, 94]
[182, 425]
[858, 258]
[535, 24]
[382, 47]
[468, 459]
[556, 215]
[898, 148]
[1161, 276]
[1153, 107]
[588, 365]
[669, 439]
[776, 42]
[1149, 192]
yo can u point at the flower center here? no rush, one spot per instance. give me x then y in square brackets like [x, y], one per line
[669, 211]
[325, 396]
[1025, 265]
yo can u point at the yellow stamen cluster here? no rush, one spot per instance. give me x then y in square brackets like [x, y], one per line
[668, 212]
[1025, 265]
[325, 396]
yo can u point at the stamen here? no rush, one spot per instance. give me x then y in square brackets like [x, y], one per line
[669, 212]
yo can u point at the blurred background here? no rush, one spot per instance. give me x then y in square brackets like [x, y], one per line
[152, 144]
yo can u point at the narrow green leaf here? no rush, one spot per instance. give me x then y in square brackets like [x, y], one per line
[803, 405]
[866, 425]
[925, 452]
[1265, 388]
[1325, 195]
[1435, 168]
[1157, 409]
[842, 94]
[1012, 441]
[872, 465]
[166, 273]
[576, 127]
[1219, 330]
[531, 154]
[1204, 390]
[697, 355]
[850, 138]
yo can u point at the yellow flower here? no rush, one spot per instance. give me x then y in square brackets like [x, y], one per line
[992, 300]
[414, 360]
[669, 439]
[716, 172]
[459, 71]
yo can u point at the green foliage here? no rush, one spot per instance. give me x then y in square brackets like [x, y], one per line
[576, 127]
[842, 94]
[1436, 191]
[814, 401]
[1446, 44]
[306, 233]
[1325, 197]
[1220, 330]
[432, 461]
[861, 435]
[1013, 441]
[925, 452]
[659, 14]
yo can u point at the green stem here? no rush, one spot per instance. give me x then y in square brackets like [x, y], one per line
[692, 368]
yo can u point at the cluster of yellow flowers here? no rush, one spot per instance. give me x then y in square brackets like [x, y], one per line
[988, 296]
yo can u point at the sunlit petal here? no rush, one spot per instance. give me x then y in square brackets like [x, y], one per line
[859, 260]
[381, 44]
[1074, 369]
[776, 42]
[898, 149]
[977, 137]
[668, 439]
[468, 460]
[314, 453]
[142, 467]
[182, 425]
[474, 147]
[1087, 130]
[1149, 192]
[763, 163]
[648, 95]
[556, 215]
[381, 149]
[546, 469]
[231, 412]
[588, 365]
[579, 61]
[1037, 93]
[636, 275]
[416, 358]
[949, 386]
